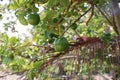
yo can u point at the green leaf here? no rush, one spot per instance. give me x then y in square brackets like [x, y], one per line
[43, 1]
[50, 14]
[6, 60]
[0, 16]
[64, 3]
[74, 26]
[30, 76]
[55, 20]
[106, 37]
[51, 3]
[36, 9]
[20, 12]
[12, 39]
[16, 2]
[5, 37]
[47, 33]
[22, 20]
[13, 6]
[21, 1]
[37, 64]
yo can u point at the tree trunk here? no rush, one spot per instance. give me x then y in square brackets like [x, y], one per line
[116, 15]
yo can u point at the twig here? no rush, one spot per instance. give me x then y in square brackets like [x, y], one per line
[92, 12]
[114, 23]
[76, 20]
[65, 13]
[104, 15]
[111, 23]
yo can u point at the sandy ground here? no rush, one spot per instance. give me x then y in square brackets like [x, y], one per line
[8, 76]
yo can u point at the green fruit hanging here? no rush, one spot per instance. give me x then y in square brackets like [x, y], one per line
[34, 19]
[61, 44]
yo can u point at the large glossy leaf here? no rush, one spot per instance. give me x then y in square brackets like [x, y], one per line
[20, 12]
[13, 6]
[22, 20]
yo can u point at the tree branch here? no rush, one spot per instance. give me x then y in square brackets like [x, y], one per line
[92, 12]
[76, 21]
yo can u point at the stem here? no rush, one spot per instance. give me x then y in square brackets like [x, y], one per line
[76, 21]
[92, 12]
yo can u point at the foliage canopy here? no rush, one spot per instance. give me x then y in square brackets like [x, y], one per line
[69, 19]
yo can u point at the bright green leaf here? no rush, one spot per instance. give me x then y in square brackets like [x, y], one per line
[13, 6]
[22, 20]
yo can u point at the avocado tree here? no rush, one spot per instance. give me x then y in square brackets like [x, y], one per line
[59, 29]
